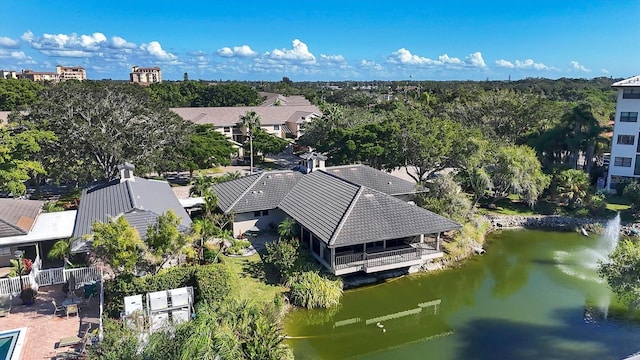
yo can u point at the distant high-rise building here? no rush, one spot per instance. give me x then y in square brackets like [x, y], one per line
[71, 72]
[145, 76]
[8, 74]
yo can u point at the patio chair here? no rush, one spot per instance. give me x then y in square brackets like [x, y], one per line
[85, 302]
[5, 304]
[57, 308]
[71, 341]
[72, 309]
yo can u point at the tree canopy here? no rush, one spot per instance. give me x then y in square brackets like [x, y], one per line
[100, 125]
[200, 94]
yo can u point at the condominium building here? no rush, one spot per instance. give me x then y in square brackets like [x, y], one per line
[624, 165]
[71, 73]
[39, 75]
[8, 74]
[145, 75]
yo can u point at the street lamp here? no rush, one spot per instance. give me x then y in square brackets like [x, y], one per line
[18, 255]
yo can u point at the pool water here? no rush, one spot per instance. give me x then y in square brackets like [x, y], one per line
[11, 343]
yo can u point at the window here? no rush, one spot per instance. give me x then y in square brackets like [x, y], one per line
[227, 129]
[256, 213]
[276, 127]
[626, 139]
[265, 212]
[631, 94]
[622, 161]
[627, 116]
[636, 169]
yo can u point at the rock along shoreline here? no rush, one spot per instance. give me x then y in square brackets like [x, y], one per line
[555, 222]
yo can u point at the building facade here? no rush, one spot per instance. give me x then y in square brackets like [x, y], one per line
[8, 74]
[624, 165]
[71, 73]
[145, 75]
[39, 75]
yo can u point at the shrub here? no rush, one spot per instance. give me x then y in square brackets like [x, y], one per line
[214, 283]
[632, 192]
[309, 289]
[119, 342]
[282, 254]
[238, 246]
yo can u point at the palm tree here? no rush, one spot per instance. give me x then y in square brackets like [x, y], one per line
[288, 229]
[573, 185]
[249, 122]
[201, 185]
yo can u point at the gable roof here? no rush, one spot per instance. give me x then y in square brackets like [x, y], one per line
[373, 178]
[230, 116]
[17, 216]
[630, 82]
[255, 192]
[355, 214]
[299, 117]
[113, 199]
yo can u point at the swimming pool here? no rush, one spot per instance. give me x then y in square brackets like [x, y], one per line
[11, 342]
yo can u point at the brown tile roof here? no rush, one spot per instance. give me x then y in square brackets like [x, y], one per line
[229, 116]
[17, 216]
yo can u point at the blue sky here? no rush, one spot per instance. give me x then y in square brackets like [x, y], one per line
[325, 39]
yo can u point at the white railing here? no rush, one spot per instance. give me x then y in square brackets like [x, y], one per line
[50, 277]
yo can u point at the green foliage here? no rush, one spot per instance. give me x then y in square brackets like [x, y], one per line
[52, 206]
[632, 193]
[18, 149]
[60, 249]
[17, 93]
[118, 244]
[206, 148]
[119, 343]
[199, 94]
[164, 238]
[572, 186]
[445, 197]
[623, 271]
[214, 283]
[266, 143]
[100, 125]
[227, 177]
[283, 255]
[200, 185]
[238, 246]
[288, 229]
[310, 289]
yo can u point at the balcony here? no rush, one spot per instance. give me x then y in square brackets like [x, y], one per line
[384, 260]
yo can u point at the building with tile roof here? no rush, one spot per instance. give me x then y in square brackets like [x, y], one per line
[355, 218]
[139, 200]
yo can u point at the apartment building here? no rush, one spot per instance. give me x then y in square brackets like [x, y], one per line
[71, 73]
[145, 75]
[8, 74]
[39, 75]
[624, 163]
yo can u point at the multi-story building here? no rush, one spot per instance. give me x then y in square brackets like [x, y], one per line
[71, 73]
[39, 75]
[145, 76]
[8, 74]
[624, 165]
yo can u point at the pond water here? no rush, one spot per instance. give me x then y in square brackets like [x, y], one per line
[533, 295]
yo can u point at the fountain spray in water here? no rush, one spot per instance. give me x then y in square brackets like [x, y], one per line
[611, 235]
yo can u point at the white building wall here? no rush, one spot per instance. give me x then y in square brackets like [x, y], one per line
[244, 221]
[624, 128]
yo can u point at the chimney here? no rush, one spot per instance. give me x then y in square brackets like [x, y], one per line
[126, 172]
[313, 161]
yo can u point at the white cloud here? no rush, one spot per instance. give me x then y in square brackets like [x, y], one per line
[604, 71]
[8, 43]
[530, 64]
[119, 43]
[475, 59]
[445, 59]
[505, 64]
[243, 51]
[19, 56]
[155, 49]
[370, 65]
[332, 59]
[404, 56]
[298, 53]
[27, 36]
[577, 66]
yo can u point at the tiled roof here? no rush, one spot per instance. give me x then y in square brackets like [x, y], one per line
[372, 178]
[113, 199]
[299, 117]
[261, 191]
[141, 220]
[17, 216]
[630, 82]
[230, 116]
[312, 155]
[342, 213]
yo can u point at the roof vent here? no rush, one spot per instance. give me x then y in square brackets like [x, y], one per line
[260, 192]
[389, 183]
[253, 192]
[126, 172]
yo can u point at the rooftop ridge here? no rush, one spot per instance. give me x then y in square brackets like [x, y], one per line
[132, 197]
[260, 176]
[346, 214]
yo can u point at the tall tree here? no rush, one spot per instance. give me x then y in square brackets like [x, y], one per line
[249, 122]
[100, 125]
[265, 143]
[164, 239]
[18, 149]
[623, 271]
[118, 244]
[572, 185]
[205, 148]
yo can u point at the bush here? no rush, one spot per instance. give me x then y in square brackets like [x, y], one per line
[632, 192]
[597, 205]
[282, 254]
[214, 283]
[238, 246]
[309, 289]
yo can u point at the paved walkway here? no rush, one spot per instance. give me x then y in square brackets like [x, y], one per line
[44, 329]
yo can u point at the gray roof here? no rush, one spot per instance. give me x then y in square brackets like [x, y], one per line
[256, 192]
[141, 220]
[230, 116]
[99, 203]
[373, 178]
[17, 216]
[312, 155]
[355, 214]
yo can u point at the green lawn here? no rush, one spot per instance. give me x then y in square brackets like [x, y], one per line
[254, 283]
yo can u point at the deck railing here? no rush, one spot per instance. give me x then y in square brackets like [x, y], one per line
[380, 258]
[53, 276]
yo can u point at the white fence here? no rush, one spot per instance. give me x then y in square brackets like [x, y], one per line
[49, 277]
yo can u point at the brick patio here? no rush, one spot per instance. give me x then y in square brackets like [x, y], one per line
[44, 329]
